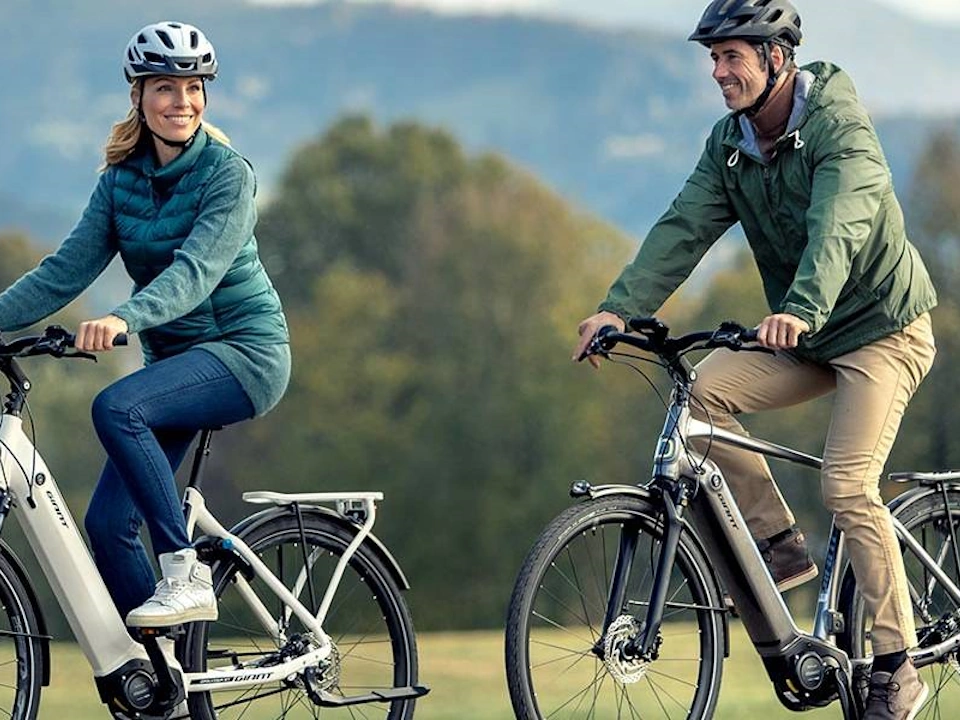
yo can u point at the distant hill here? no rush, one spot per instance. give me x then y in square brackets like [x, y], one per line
[613, 119]
[900, 64]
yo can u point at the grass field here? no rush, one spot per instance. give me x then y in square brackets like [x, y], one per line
[466, 677]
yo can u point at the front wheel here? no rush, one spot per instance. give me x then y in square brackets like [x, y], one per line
[22, 658]
[368, 622]
[561, 663]
[936, 613]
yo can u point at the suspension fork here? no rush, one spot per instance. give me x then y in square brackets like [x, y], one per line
[629, 537]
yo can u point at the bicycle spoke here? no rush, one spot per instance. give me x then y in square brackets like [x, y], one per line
[569, 673]
[367, 624]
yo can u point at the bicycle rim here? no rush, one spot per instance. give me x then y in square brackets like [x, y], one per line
[936, 614]
[368, 622]
[558, 663]
[21, 657]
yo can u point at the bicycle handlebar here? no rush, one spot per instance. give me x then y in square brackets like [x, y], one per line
[54, 341]
[653, 336]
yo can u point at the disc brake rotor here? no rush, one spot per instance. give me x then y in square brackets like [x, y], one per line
[625, 667]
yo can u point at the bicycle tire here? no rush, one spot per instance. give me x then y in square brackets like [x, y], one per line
[22, 667]
[368, 621]
[557, 610]
[935, 613]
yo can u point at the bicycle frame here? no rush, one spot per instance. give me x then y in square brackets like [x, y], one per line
[67, 564]
[684, 483]
[199, 517]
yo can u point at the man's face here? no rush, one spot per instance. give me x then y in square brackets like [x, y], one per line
[738, 69]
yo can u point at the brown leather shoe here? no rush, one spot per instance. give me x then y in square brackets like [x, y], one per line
[788, 559]
[895, 697]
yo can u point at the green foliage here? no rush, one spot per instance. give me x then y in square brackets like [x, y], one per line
[933, 216]
[433, 301]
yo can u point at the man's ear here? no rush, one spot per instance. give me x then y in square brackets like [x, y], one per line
[777, 56]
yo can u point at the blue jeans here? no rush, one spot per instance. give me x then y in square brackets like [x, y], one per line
[146, 422]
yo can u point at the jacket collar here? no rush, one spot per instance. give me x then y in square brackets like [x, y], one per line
[743, 137]
[170, 173]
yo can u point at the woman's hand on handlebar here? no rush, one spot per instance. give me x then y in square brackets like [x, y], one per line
[98, 335]
[781, 331]
[589, 327]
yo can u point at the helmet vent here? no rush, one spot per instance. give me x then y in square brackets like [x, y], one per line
[165, 39]
[194, 40]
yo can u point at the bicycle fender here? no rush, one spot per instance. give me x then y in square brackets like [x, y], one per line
[595, 492]
[904, 500]
[254, 521]
[15, 563]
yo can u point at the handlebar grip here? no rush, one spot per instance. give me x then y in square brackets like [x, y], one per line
[749, 335]
[120, 340]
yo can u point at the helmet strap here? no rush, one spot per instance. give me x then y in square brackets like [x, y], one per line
[772, 78]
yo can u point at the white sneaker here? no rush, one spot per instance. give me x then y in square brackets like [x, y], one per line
[185, 594]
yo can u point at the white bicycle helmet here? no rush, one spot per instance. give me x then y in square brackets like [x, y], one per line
[169, 48]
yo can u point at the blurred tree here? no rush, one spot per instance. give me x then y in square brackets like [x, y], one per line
[933, 222]
[433, 301]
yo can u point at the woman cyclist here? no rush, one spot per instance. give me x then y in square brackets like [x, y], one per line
[176, 202]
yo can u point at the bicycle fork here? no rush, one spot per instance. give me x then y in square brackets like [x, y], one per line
[645, 645]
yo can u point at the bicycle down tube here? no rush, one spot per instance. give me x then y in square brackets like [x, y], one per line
[720, 524]
[66, 563]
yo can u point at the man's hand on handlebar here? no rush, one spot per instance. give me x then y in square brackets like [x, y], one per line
[781, 331]
[98, 335]
[589, 327]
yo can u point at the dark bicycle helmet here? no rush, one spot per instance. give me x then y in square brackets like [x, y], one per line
[756, 21]
[169, 48]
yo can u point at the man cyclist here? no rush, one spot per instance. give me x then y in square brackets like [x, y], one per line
[798, 164]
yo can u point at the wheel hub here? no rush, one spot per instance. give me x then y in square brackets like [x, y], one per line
[324, 676]
[623, 662]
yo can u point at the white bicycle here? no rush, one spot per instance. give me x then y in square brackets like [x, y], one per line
[280, 648]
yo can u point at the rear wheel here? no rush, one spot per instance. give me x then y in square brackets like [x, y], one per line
[936, 613]
[368, 622]
[561, 664]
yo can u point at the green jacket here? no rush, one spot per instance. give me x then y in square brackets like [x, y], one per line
[184, 232]
[821, 219]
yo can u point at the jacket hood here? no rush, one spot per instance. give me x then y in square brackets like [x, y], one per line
[830, 88]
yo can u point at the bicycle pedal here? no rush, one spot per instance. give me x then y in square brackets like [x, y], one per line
[143, 635]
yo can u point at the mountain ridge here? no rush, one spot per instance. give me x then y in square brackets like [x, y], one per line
[613, 119]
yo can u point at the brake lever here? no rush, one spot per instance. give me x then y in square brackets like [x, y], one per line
[79, 354]
[732, 335]
[596, 347]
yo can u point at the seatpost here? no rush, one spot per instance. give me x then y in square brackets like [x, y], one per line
[203, 450]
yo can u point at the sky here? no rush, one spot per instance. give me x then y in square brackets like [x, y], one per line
[936, 10]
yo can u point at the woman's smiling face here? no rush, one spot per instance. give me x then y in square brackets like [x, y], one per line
[173, 107]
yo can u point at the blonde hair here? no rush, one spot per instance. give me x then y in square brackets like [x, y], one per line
[125, 134]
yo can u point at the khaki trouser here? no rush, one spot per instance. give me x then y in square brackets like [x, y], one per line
[873, 386]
